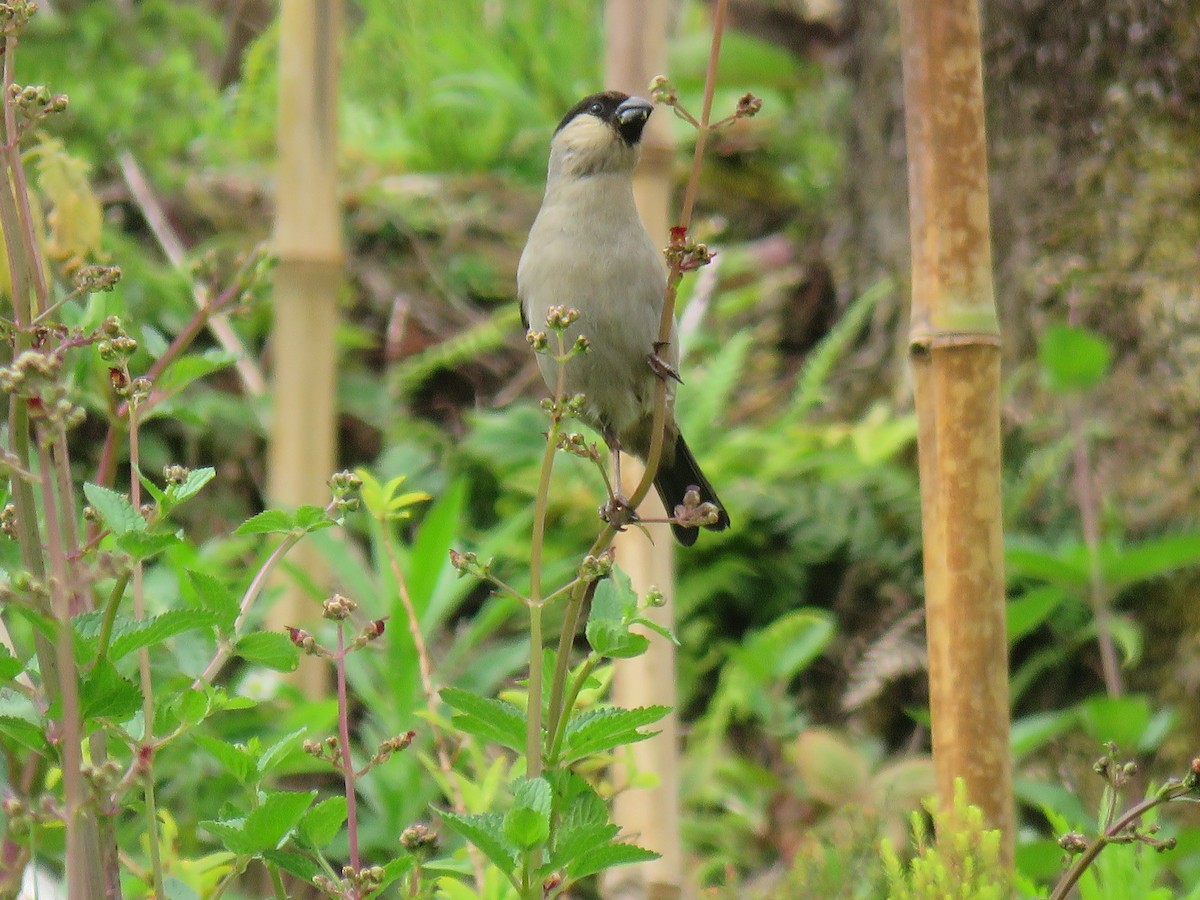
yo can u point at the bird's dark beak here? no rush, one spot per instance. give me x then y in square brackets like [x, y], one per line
[631, 117]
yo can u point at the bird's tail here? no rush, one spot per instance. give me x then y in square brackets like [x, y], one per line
[677, 474]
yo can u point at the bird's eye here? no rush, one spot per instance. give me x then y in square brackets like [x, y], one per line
[596, 109]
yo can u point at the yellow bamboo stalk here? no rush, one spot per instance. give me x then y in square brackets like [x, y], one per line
[308, 241]
[955, 354]
[636, 34]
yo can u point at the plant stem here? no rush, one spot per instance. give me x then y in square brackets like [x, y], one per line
[276, 882]
[560, 729]
[344, 737]
[583, 591]
[1088, 856]
[533, 726]
[139, 613]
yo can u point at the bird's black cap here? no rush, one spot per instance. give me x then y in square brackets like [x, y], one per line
[626, 114]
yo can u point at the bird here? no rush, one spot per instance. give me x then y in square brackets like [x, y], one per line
[589, 251]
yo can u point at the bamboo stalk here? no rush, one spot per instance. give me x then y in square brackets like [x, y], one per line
[308, 241]
[635, 53]
[955, 354]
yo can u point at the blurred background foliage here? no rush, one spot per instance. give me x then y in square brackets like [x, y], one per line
[796, 396]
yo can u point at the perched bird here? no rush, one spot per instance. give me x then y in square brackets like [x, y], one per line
[588, 250]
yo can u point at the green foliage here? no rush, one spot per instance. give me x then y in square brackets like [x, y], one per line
[963, 861]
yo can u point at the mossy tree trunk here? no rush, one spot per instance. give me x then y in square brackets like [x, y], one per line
[955, 354]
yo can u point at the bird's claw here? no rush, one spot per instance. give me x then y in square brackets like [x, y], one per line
[618, 513]
[660, 366]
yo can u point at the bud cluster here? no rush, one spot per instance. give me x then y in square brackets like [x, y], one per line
[21, 816]
[419, 840]
[33, 102]
[344, 486]
[392, 745]
[468, 564]
[691, 513]
[560, 318]
[176, 474]
[329, 749]
[305, 641]
[8, 521]
[594, 568]
[14, 14]
[338, 608]
[574, 443]
[353, 883]
[370, 632]
[94, 279]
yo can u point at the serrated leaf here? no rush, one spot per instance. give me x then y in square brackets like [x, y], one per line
[1150, 558]
[603, 728]
[142, 545]
[237, 761]
[115, 511]
[269, 521]
[191, 485]
[607, 857]
[214, 595]
[395, 868]
[269, 823]
[151, 488]
[129, 635]
[658, 628]
[494, 720]
[313, 518]
[485, 831]
[191, 706]
[527, 823]
[231, 835]
[274, 756]
[322, 822]
[27, 734]
[105, 694]
[294, 863]
[270, 649]
[614, 640]
[576, 842]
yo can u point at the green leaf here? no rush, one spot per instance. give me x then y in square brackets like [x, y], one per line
[191, 368]
[191, 706]
[294, 863]
[237, 761]
[1073, 358]
[575, 842]
[278, 752]
[27, 734]
[600, 729]
[1122, 720]
[151, 488]
[1032, 732]
[494, 720]
[269, 521]
[280, 812]
[527, 823]
[486, 831]
[322, 822]
[657, 628]
[129, 635]
[214, 595]
[191, 485]
[269, 648]
[115, 511]
[1150, 558]
[142, 545]
[784, 648]
[10, 666]
[1067, 565]
[1031, 609]
[232, 835]
[602, 858]
[105, 694]
[313, 518]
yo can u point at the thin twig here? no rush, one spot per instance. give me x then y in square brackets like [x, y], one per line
[344, 737]
[160, 226]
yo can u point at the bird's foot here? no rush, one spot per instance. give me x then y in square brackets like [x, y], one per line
[618, 513]
[660, 366]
